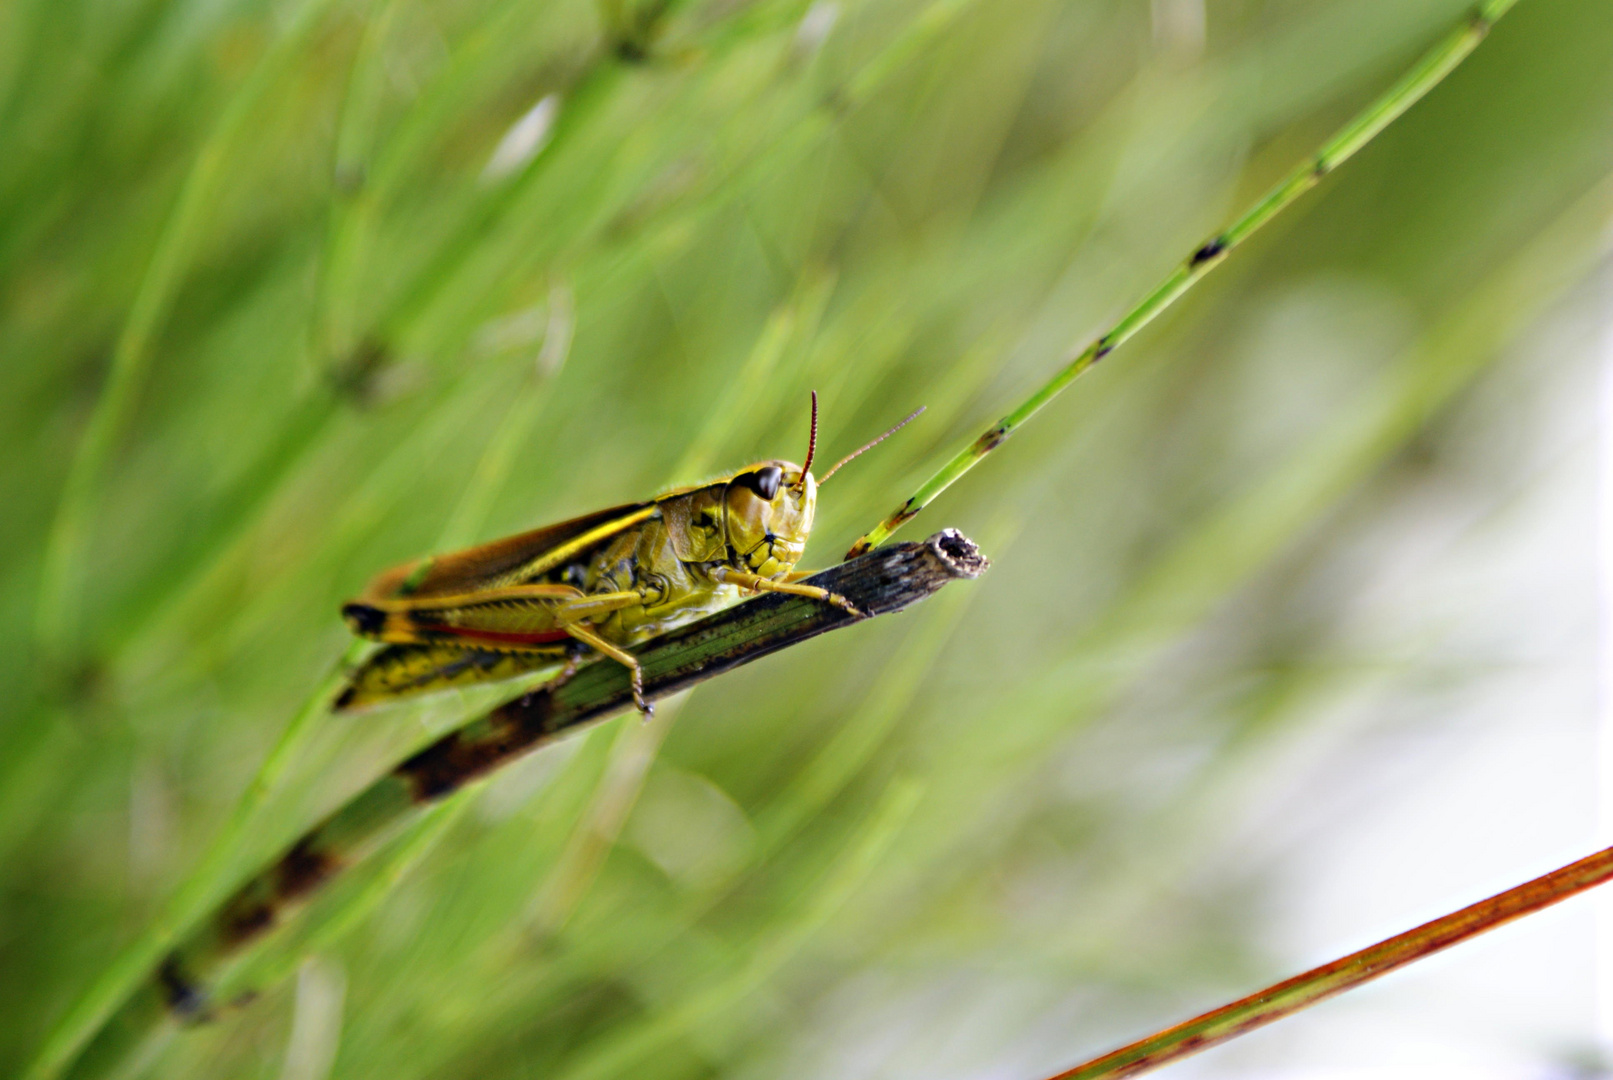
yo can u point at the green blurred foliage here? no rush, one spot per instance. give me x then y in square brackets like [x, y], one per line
[370, 336]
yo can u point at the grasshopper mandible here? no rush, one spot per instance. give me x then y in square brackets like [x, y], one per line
[593, 584]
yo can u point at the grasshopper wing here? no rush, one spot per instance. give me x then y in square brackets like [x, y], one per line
[515, 560]
[435, 645]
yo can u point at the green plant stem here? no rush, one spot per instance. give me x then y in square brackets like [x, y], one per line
[1426, 74]
[631, 757]
[119, 980]
[188, 973]
[737, 994]
[1318, 984]
[57, 611]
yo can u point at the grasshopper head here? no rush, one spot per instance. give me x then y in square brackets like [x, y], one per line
[769, 510]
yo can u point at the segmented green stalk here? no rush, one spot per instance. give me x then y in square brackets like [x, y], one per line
[1427, 73]
[99, 1003]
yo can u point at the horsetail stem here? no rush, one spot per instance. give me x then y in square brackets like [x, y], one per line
[1426, 74]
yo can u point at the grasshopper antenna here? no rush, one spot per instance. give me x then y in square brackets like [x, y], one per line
[871, 444]
[812, 442]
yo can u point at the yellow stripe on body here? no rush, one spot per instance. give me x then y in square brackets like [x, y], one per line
[560, 555]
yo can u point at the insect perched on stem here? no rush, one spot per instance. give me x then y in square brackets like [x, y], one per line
[594, 584]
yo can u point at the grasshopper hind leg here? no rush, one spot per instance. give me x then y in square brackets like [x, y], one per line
[403, 671]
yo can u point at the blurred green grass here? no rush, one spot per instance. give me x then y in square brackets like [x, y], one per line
[894, 203]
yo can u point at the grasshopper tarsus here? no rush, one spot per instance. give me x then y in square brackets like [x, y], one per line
[845, 605]
[646, 709]
[563, 676]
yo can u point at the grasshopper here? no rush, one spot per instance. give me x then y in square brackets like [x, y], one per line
[591, 585]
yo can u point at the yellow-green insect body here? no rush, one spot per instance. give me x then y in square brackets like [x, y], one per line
[596, 583]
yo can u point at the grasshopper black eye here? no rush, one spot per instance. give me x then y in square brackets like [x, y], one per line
[764, 481]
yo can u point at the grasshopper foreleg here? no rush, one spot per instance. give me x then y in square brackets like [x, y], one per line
[757, 583]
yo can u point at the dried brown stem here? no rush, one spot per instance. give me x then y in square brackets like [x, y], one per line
[1318, 984]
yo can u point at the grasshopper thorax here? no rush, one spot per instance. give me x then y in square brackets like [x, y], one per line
[756, 520]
